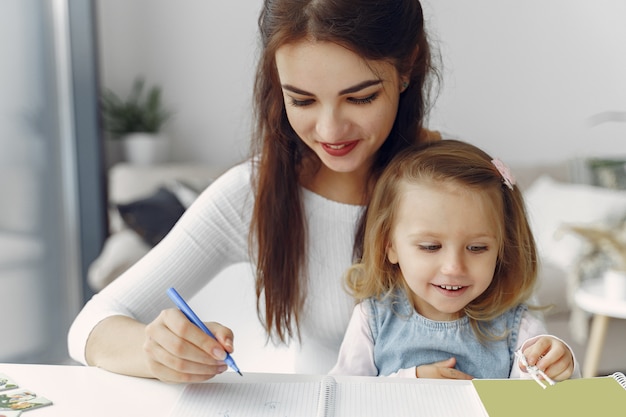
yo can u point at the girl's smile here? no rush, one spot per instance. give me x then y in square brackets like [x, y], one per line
[450, 290]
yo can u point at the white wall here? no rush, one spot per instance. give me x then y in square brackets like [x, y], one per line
[202, 53]
[521, 79]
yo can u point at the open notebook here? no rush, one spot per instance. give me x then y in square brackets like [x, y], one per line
[274, 395]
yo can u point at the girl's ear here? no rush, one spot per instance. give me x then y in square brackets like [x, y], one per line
[392, 255]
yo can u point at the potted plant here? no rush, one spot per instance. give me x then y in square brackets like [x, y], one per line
[137, 122]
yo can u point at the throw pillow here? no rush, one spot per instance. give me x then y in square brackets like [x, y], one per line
[552, 204]
[185, 192]
[154, 216]
[121, 250]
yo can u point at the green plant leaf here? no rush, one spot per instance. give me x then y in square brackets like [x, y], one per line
[136, 113]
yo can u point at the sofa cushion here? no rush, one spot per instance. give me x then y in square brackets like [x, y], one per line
[550, 292]
[185, 193]
[129, 182]
[154, 216]
[135, 188]
[121, 250]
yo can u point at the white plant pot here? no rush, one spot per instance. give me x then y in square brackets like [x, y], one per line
[146, 148]
[615, 284]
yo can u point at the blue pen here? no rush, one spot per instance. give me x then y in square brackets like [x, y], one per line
[187, 311]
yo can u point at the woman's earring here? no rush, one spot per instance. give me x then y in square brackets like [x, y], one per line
[405, 85]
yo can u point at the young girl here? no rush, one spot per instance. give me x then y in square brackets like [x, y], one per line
[449, 261]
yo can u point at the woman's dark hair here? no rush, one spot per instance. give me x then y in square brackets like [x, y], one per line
[378, 30]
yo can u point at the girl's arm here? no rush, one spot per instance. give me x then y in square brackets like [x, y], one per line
[534, 341]
[356, 355]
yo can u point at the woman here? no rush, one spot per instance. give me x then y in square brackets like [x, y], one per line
[341, 87]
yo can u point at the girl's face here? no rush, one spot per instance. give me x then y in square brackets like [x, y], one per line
[342, 106]
[445, 241]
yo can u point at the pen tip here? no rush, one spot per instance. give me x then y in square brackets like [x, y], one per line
[239, 372]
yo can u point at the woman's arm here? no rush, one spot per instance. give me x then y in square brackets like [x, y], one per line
[104, 350]
[112, 332]
[170, 348]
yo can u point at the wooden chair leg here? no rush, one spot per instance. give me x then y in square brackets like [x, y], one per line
[597, 336]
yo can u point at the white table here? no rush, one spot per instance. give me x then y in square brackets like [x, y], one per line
[93, 392]
[591, 297]
[82, 391]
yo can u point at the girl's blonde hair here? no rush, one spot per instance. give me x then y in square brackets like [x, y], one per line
[468, 166]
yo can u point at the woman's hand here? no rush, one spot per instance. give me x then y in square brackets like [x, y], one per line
[550, 355]
[441, 370]
[178, 351]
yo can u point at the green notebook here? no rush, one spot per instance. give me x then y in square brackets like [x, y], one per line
[599, 396]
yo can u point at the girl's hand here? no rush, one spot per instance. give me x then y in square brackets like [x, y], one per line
[550, 355]
[178, 351]
[441, 370]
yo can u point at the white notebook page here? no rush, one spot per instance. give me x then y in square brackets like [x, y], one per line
[362, 397]
[399, 400]
[273, 399]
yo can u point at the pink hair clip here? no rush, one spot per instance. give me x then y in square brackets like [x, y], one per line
[507, 177]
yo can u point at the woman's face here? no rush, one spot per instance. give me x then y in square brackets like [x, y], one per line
[341, 105]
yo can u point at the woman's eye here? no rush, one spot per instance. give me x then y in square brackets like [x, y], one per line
[364, 100]
[300, 103]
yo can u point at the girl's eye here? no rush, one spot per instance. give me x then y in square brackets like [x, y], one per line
[429, 247]
[477, 248]
[364, 100]
[300, 103]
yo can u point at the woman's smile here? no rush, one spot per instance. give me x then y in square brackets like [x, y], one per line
[340, 149]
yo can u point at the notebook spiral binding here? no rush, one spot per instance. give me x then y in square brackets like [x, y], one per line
[326, 404]
[620, 378]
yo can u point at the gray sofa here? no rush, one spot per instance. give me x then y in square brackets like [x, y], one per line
[551, 197]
